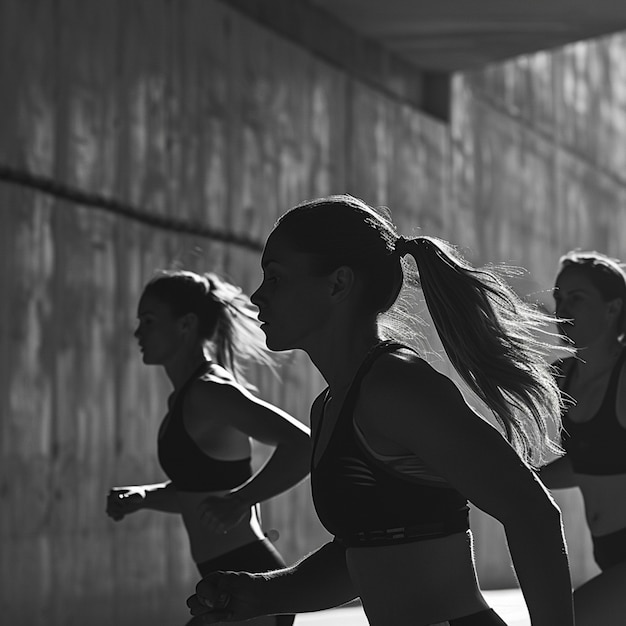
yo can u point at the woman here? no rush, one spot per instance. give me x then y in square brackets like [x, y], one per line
[201, 329]
[590, 296]
[397, 451]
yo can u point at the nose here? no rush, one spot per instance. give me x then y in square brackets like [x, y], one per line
[561, 310]
[255, 298]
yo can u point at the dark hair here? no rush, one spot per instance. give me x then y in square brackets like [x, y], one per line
[605, 273]
[488, 332]
[227, 320]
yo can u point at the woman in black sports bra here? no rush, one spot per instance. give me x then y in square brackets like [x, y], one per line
[590, 296]
[201, 329]
[397, 451]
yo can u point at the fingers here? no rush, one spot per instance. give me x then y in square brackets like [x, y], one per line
[117, 500]
[207, 616]
[212, 591]
[211, 599]
[196, 607]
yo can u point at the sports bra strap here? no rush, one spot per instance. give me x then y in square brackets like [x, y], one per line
[382, 347]
[355, 385]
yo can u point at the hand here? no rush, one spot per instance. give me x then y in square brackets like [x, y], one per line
[225, 597]
[122, 501]
[219, 513]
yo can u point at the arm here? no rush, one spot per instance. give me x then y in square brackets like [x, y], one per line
[289, 463]
[425, 413]
[319, 581]
[123, 501]
[558, 474]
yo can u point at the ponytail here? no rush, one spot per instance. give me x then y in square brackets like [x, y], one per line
[486, 330]
[489, 334]
[227, 320]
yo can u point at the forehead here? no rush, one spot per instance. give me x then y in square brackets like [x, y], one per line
[572, 278]
[150, 304]
[280, 251]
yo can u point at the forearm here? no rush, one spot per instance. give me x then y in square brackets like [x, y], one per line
[161, 497]
[286, 467]
[540, 559]
[319, 581]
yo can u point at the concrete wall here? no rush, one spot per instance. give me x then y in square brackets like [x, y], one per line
[538, 169]
[189, 111]
[181, 111]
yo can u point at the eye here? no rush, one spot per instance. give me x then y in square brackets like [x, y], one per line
[270, 278]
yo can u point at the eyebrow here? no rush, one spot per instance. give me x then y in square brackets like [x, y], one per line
[266, 262]
[577, 290]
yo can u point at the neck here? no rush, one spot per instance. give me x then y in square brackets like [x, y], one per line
[599, 356]
[180, 368]
[338, 357]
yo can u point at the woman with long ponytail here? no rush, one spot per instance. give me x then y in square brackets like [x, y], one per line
[203, 331]
[397, 452]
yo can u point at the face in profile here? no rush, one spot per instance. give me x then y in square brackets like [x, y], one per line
[293, 300]
[588, 316]
[158, 333]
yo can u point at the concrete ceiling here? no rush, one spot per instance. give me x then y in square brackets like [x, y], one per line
[461, 35]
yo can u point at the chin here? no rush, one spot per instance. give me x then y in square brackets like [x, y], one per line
[275, 344]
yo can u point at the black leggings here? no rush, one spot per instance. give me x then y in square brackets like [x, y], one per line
[258, 556]
[483, 618]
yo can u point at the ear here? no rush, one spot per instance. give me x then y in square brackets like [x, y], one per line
[187, 323]
[341, 283]
[614, 307]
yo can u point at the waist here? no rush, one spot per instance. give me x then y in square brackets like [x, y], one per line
[205, 544]
[441, 569]
[201, 473]
[404, 534]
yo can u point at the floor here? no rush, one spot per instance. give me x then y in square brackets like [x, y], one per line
[508, 603]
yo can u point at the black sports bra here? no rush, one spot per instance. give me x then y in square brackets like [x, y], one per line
[356, 493]
[184, 462]
[597, 446]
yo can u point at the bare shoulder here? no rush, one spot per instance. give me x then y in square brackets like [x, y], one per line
[215, 403]
[405, 373]
[402, 386]
[215, 397]
[406, 402]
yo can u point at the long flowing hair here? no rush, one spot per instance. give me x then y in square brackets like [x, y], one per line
[227, 320]
[491, 336]
[494, 341]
